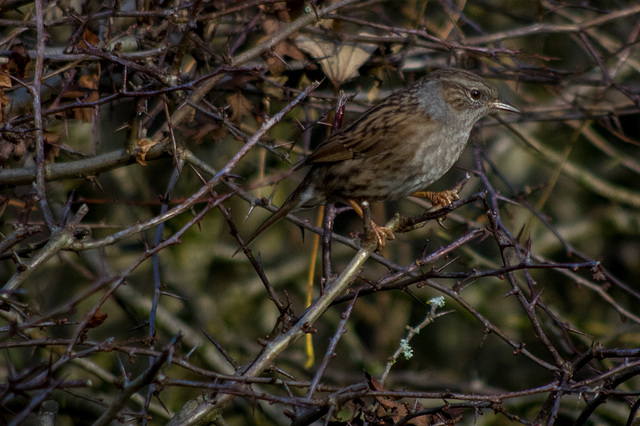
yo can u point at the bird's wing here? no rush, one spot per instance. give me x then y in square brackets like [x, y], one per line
[363, 138]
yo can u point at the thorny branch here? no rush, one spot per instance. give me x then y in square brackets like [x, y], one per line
[102, 109]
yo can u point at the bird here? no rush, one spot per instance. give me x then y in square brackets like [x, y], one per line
[396, 148]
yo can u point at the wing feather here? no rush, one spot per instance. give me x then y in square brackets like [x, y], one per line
[366, 136]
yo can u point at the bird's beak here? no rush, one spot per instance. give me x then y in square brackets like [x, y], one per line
[504, 106]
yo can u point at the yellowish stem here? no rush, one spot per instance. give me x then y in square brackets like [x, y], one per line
[312, 272]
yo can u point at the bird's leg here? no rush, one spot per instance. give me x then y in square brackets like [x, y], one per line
[439, 199]
[381, 232]
[443, 198]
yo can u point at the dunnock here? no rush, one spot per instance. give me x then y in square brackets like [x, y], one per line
[399, 146]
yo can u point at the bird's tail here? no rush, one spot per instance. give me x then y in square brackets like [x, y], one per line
[290, 204]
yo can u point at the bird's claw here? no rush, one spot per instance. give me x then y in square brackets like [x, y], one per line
[439, 199]
[444, 198]
[382, 233]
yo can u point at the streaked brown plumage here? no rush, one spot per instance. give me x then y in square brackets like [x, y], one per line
[399, 146]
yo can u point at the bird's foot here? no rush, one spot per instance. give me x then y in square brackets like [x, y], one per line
[381, 233]
[439, 199]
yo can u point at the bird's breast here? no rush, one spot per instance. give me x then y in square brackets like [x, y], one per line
[419, 154]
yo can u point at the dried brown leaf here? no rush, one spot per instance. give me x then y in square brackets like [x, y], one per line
[4, 101]
[144, 145]
[340, 62]
[18, 61]
[6, 148]
[52, 153]
[52, 146]
[286, 48]
[97, 319]
[209, 129]
[598, 273]
[5, 81]
[240, 106]
[89, 38]
[89, 87]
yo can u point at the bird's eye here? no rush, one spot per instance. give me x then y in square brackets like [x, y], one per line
[475, 94]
